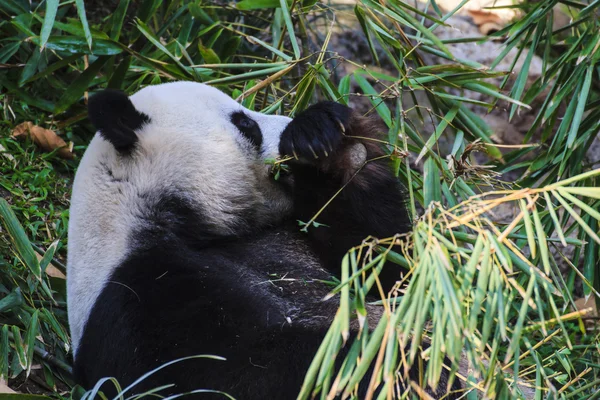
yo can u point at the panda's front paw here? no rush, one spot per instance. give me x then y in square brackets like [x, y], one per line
[315, 133]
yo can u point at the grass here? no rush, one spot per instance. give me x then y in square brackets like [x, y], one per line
[488, 291]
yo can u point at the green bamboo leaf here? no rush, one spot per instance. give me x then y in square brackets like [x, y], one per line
[19, 348]
[257, 4]
[84, 22]
[405, 18]
[311, 374]
[368, 355]
[79, 85]
[476, 126]
[432, 190]
[77, 45]
[29, 345]
[143, 28]
[118, 75]
[51, 320]
[581, 102]
[290, 27]
[592, 192]
[576, 217]
[468, 273]
[48, 255]
[117, 19]
[183, 39]
[585, 207]
[541, 236]
[267, 46]
[244, 77]
[50, 69]
[4, 348]
[19, 238]
[24, 95]
[557, 225]
[328, 363]
[31, 67]
[521, 81]
[362, 20]
[344, 313]
[208, 54]
[448, 118]
[201, 15]
[528, 227]
[492, 91]
[378, 103]
[12, 300]
[327, 85]
[482, 284]
[591, 265]
[16, 7]
[518, 330]
[9, 50]
[305, 91]
[344, 89]
[49, 17]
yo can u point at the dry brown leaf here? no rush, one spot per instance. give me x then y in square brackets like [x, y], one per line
[582, 304]
[51, 270]
[481, 17]
[45, 138]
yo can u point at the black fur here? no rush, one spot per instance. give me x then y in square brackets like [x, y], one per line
[255, 300]
[371, 203]
[113, 114]
[249, 128]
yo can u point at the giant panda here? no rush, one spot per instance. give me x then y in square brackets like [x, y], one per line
[181, 242]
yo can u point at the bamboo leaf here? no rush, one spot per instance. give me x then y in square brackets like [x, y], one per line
[448, 118]
[581, 102]
[77, 45]
[4, 348]
[79, 85]
[32, 332]
[49, 17]
[19, 239]
[290, 27]
[84, 22]
[528, 228]
[257, 4]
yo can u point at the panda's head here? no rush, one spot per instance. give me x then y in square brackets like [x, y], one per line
[195, 142]
[167, 145]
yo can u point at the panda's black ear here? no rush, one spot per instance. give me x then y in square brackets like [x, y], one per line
[114, 115]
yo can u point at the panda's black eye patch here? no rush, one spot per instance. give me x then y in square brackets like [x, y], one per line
[248, 127]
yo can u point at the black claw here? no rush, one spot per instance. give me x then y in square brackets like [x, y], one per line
[320, 127]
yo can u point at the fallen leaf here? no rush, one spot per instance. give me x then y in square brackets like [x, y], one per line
[51, 270]
[582, 304]
[481, 17]
[45, 138]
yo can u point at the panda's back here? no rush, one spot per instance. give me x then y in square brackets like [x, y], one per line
[243, 299]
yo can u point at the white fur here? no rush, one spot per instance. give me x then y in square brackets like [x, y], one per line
[189, 147]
